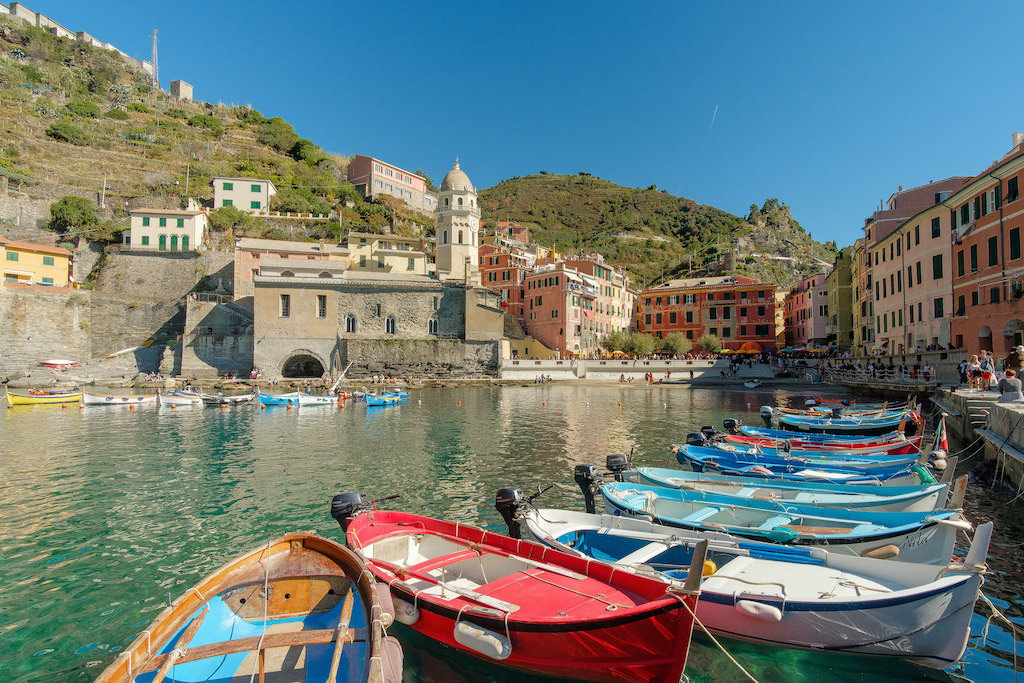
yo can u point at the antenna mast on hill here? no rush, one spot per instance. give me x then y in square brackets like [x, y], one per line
[156, 72]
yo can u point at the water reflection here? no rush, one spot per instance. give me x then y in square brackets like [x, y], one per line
[107, 511]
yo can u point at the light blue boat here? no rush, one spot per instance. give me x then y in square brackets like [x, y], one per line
[924, 498]
[374, 400]
[784, 434]
[926, 537]
[291, 399]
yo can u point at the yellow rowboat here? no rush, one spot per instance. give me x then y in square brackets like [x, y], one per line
[42, 398]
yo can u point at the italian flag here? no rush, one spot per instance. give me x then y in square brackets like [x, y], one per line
[941, 441]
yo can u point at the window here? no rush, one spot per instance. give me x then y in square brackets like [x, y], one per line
[726, 333]
[174, 243]
[162, 246]
[362, 260]
[47, 280]
[657, 319]
[993, 295]
[911, 314]
[689, 316]
[937, 267]
[1011, 190]
[936, 227]
[726, 313]
[47, 260]
[350, 323]
[412, 265]
[180, 223]
[286, 305]
[12, 256]
[437, 302]
[321, 305]
[184, 243]
[145, 240]
[255, 187]
[389, 325]
[961, 305]
[432, 326]
[713, 314]
[672, 318]
[229, 186]
[760, 310]
[974, 298]
[917, 235]
[974, 258]
[965, 214]
[938, 309]
[227, 202]
[163, 222]
[910, 277]
[254, 205]
[145, 221]
[1015, 243]
[960, 263]
[993, 250]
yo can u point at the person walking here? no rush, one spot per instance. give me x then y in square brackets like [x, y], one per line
[988, 369]
[973, 374]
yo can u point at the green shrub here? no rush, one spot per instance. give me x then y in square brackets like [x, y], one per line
[228, 217]
[84, 109]
[118, 114]
[71, 213]
[66, 131]
[209, 122]
[176, 114]
[279, 134]
[139, 107]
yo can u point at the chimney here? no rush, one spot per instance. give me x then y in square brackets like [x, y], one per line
[1018, 139]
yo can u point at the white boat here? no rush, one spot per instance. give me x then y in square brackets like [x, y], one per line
[752, 383]
[806, 598]
[226, 400]
[317, 400]
[115, 400]
[59, 363]
[178, 398]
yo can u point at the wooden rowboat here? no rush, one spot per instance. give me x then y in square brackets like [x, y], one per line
[114, 400]
[38, 398]
[300, 608]
[523, 605]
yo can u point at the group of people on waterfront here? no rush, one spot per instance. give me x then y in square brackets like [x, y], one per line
[980, 373]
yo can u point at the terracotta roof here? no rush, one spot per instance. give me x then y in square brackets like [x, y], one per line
[28, 246]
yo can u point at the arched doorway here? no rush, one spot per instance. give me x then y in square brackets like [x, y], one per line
[302, 366]
[1014, 333]
[985, 338]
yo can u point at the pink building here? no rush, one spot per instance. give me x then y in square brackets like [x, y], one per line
[374, 178]
[503, 270]
[806, 314]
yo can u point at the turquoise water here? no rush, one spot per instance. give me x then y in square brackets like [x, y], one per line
[108, 511]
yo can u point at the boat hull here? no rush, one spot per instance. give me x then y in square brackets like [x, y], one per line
[100, 400]
[818, 601]
[307, 579]
[15, 399]
[626, 631]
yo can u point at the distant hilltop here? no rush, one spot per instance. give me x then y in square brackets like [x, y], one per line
[19, 11]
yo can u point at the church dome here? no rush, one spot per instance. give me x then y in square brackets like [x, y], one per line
[456, 180]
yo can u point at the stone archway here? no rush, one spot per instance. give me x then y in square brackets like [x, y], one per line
[302, 365]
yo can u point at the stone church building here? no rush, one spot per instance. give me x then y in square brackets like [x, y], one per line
[323, 318]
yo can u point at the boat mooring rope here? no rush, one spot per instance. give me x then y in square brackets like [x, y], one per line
[996, 614]
[715, 640]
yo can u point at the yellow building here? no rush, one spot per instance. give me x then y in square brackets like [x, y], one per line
[35, 264]
[386, 253]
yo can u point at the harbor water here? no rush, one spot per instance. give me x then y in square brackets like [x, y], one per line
[109, 512]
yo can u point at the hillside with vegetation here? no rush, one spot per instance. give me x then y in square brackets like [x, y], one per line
[653, 234]
[79, 120]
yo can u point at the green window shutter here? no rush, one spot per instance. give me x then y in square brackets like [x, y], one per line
[229, 186]
[47, 260]
[181, 222]
[228, 202]
[184, 243]
[254, 205]
[254, 188]
[163, 222]
[145, 221]
[163, 243]
[47, 280]
[145, 240]
[12, 256]
[174, 243]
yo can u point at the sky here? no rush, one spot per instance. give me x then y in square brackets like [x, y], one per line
[827, 106]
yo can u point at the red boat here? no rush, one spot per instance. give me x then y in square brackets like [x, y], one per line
[523, 605]
[908, 446]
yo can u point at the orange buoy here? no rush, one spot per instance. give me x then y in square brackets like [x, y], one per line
[544, 403]
[172, 406]
[620, 404]
[460, 403]
[223, 406]
[131, 407]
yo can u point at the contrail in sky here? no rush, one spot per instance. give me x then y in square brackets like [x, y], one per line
[713, 117]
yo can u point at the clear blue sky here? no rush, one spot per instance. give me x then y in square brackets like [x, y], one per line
[828, 106]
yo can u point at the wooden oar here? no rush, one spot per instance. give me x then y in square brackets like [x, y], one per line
[179, 648]
[339, 642]
[404, 572]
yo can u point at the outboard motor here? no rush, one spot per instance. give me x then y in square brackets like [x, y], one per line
[786, 446]
[507, 502]
[345, 506]
[767, 414]
[589, 480]
[810, 402]
[617, 464]
[696, 439]
[732, 425]
[838, 412]
[709, 432]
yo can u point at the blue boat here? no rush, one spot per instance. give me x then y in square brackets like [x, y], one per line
[291, 399]
[923, 498]
[381, 400]
[866, 426]
[926, 537]
[400, 395]
[699, 457]
[783, 434]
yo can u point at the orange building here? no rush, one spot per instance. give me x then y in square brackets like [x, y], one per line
[740, 311]
[503, 271]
